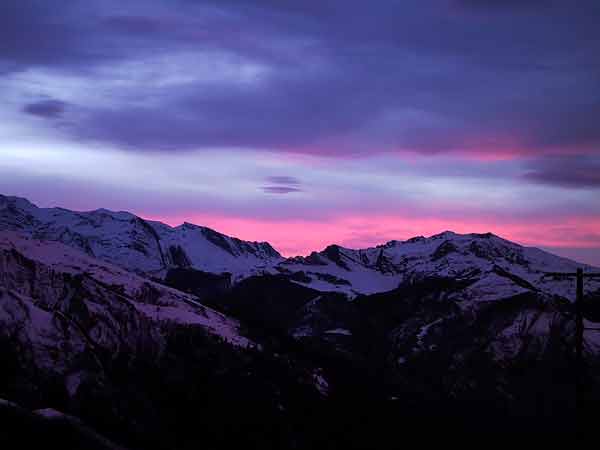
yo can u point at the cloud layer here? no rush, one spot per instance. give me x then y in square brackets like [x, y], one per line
[312, 109]
[322, 77]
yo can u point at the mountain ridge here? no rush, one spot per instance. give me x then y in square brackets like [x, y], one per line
[128, 214]
[155, 249]
[136, 243]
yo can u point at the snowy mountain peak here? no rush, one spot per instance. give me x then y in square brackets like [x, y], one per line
[444, 235]
[136, 244]
[494, 266]
[120, 215]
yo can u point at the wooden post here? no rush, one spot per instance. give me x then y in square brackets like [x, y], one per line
[579, 329]
[579, 369]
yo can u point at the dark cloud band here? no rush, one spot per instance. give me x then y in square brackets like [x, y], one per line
[48, 109]
[330, 78]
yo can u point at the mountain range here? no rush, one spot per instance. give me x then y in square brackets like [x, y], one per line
[153, 249]
[106, 316]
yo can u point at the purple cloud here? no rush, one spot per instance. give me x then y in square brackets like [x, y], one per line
[47, 109]
[282, 184]
[280, 189]
[283, 179]
[577, 171]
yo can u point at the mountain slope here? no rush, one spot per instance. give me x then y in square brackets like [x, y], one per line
[57, 301]
[133, 243]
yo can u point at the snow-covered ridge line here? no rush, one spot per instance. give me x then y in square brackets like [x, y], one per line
[143, 246]
[492, 265]
[23, 203]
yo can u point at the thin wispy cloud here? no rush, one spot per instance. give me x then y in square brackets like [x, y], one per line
[281, 184]
[280, 189]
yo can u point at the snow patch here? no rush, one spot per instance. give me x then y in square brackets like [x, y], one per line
[341, 331]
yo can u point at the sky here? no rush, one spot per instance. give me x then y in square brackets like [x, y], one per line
[306, 123]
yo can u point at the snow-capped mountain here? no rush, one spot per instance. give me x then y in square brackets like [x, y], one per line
[496, 267]
[147, 247]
